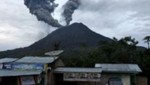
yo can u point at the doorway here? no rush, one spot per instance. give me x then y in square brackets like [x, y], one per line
[8, 81]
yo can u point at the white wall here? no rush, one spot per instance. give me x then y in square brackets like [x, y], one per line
[126, 79]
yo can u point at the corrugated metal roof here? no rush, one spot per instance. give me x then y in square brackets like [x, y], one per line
[7, 73]
[54, 53]
[35, 59]
[5, 60]
[71, 69]
[120, 68]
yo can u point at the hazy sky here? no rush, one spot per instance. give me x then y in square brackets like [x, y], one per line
[111, 18]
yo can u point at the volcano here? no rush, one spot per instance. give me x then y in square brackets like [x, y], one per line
[68, 38]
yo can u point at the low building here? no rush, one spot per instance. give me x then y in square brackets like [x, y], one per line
[29, 70]
[77, 76]
[50, 70]
[3, 61]
[118, 74]
[16, 77]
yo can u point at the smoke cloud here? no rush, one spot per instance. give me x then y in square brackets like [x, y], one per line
[43, 10]
[69, 9]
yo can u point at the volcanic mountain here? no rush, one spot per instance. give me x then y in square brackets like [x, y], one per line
[67, 38]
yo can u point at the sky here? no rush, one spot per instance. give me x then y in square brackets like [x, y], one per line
[111, 18]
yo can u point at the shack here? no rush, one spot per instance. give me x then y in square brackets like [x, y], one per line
[118, 74]
[3, 61]
[5, 73]
[15, 77]
[30, 70]
[77, 76]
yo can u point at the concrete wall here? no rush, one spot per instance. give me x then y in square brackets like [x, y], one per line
[105, 77]
[51, 80]
[0, 79]
[126, 79]
[141, 80]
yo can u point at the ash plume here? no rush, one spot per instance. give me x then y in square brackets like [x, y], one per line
[43, 10]
[69, 9]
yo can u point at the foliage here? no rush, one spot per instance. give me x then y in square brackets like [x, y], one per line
[117, 51]
[124, 50]
[147, 40]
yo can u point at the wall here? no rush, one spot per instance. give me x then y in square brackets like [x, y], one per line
[50, 74]
[141, 80]
[0, 79]
[58, 63]
[124, 77]
[50, 77]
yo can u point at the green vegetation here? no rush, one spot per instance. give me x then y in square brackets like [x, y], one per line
[124, 50]
[147, 40]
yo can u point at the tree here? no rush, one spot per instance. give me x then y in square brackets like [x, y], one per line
[118, 51]
[129, 41]
[147, 40]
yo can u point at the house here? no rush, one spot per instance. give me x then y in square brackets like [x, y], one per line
[118, 74]
[102, 74]
[29, 70]
[3, 61]
[6, 60]
[77, 76]
[50, 70]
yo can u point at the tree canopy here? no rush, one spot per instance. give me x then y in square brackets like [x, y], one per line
[147, 40]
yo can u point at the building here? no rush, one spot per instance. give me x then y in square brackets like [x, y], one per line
[118, 74]
[29, 70]
[6, 60]
[102, 74]
[77, 76]
[50, 70]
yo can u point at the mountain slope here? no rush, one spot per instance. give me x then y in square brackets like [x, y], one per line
[71, 36]
[66, 38]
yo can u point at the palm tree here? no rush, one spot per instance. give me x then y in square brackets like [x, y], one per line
[147, 40]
